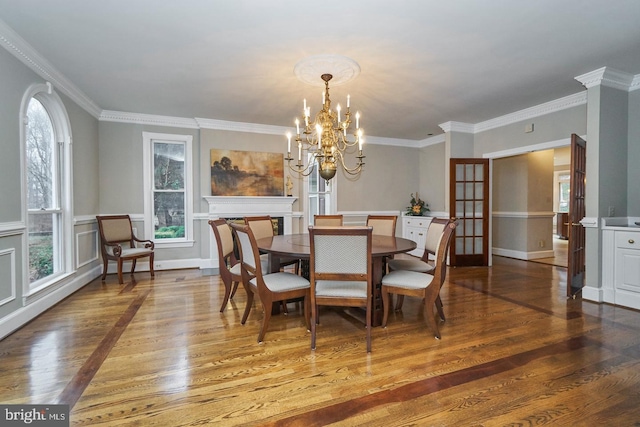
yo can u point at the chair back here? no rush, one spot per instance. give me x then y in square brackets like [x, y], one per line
[328, 220]
[224, 240]
[444, 241]
[342, 253]
[434, 234]
[383, 225]
[115, 228]
[261, 226]
[249, 256]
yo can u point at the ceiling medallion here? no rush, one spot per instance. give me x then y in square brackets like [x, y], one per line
[342, 69]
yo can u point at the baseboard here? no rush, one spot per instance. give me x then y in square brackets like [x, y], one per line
[521, 254]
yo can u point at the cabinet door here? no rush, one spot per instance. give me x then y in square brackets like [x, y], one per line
[628, 269]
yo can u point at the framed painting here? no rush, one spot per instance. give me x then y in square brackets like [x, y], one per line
[246, 173]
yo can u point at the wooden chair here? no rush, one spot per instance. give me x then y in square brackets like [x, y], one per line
[118, 243]
[423, 285]
[262, 226]
[425, 263]
[341, 271]
[228, 264]
[328, 220]
[270, 288]
[383, 225]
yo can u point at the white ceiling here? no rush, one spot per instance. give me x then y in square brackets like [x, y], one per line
[423, 62]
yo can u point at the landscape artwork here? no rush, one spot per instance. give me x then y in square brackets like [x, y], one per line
[246, 173]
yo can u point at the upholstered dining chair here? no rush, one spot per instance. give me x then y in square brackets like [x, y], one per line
[262, 226]
[423, 264]
[341, 271]
[118, 243]
[328, 220]
[270, 288]
[229, 266]
[383, 225]
[423, 285]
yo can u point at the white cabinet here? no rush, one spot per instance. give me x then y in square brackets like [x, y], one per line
[621, 265]
[415, 228]
[627, 268]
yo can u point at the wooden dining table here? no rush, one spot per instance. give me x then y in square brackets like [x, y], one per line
[299, 246]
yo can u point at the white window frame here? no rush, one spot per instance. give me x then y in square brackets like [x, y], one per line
[149, 138]
[306, 194]
[54, 106]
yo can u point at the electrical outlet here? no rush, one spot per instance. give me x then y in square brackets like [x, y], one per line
[528, 128]
[157, 265]
[541, 243]
[612, 210]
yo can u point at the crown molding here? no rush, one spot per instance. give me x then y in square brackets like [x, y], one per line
[241, 126]
[432, 140]
[457, 127]
[609, 77]
[22, 50]
[556, 105]
[147, 119]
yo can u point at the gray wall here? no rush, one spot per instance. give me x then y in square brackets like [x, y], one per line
[633, 160]
[433, 171]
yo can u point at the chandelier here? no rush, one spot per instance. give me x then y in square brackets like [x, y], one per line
[326, 139]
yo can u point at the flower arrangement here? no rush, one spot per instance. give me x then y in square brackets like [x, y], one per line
[417, 206]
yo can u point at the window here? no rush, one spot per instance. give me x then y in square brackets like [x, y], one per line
[320, 196]
[564, 182]
[47, 182]
[168, 193]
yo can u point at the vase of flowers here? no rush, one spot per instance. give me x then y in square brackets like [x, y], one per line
[417, 206]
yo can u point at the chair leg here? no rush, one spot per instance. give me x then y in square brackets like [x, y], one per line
[307, 312]
[247, 308]
[133, 265]
[266, 305]
[440, 309]
[151, 270]
[104, 268]
[285, 310]
[399, 302]
[120, 271]
[313, 323]
[385, 306]
[235, 288]
[227, 293]
[431, 321]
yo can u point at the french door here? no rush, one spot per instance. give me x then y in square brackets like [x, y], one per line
[576, 267]
[469, 204]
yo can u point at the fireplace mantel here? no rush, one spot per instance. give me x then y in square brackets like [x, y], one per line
[241, 206]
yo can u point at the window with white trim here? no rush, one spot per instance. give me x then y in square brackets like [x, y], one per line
[320, 196]
[168, 189]
[47, 181]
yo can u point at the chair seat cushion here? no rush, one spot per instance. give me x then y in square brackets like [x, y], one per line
[283, 281]
[341, 289]
[237, 269]
[410, 265]
[130, 252]
[407, 279]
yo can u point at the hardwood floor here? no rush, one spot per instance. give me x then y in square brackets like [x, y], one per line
[514, 351]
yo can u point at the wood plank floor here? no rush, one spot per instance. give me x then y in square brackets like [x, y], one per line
[514, 351]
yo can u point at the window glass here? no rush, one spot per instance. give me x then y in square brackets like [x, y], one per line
[44, 214]
[169, 190]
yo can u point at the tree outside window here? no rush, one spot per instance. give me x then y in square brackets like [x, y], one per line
[169, 190]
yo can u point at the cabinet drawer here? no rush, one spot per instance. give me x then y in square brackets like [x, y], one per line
[417, 222]
[628, 239]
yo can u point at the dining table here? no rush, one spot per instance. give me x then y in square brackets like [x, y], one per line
[299, 246]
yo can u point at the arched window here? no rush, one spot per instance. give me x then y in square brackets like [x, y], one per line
[47, 187]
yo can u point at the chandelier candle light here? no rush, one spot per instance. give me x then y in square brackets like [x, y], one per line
[326, 139]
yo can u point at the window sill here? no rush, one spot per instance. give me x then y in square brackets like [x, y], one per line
[159, 244]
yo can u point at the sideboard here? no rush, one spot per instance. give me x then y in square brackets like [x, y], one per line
[415, 228]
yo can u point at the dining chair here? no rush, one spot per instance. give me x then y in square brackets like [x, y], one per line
[423, 264]
[423, 285]
[118, 243]
[340, 271]
[271, 287]
[328, 220]
[262, 226]
[228, 265]
[383, 225]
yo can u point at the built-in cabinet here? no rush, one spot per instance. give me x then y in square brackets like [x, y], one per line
[415, 228]
[621, 264]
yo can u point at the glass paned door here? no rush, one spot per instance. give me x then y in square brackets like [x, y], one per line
[469, 204]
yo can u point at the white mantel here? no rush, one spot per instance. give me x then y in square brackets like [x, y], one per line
[241, 206]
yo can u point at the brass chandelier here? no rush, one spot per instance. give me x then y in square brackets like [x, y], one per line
[326, 139]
